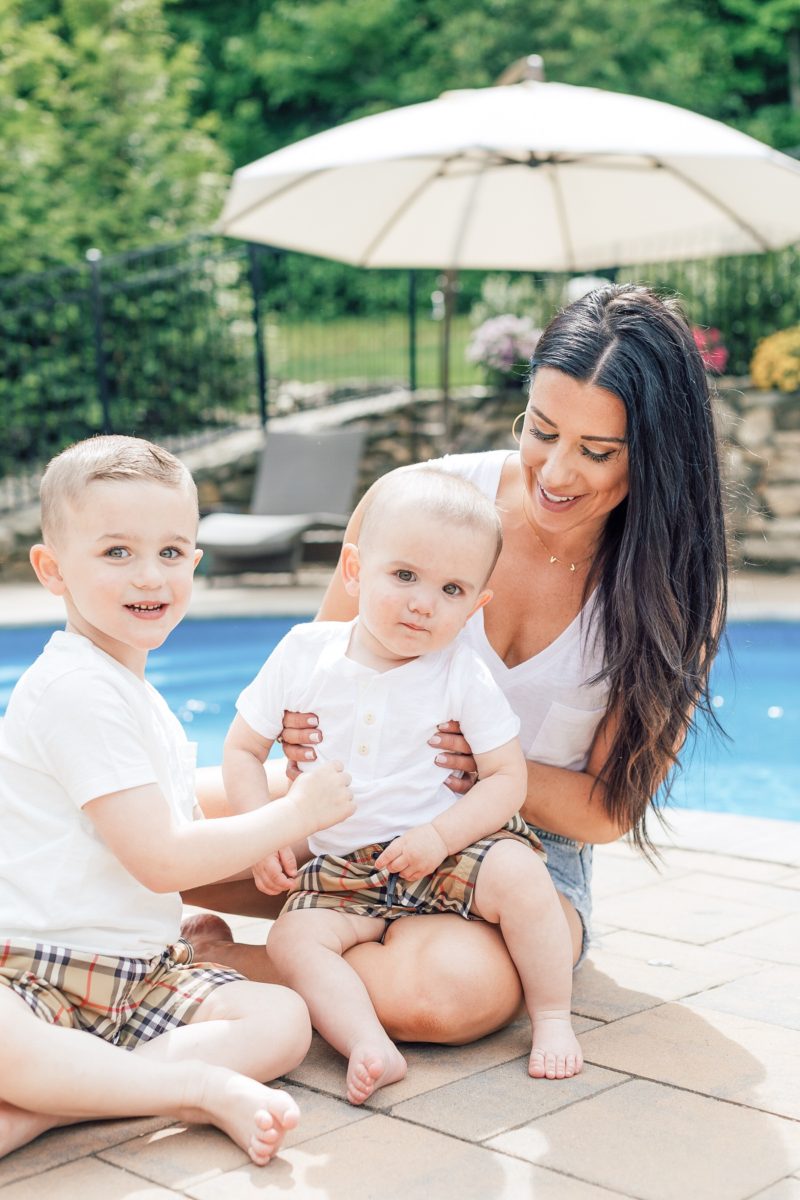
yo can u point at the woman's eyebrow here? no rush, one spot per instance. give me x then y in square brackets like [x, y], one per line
[586, 437]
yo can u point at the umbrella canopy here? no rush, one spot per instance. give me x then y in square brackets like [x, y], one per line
[531, 176]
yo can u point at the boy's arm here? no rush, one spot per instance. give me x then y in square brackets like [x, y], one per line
[138, 827]
[498, 794]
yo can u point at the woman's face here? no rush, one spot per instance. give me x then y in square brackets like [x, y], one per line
[573, 452]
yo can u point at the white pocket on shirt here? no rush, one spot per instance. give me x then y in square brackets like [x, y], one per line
[565, 736]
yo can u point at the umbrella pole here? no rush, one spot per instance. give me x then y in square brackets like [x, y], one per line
[449, 287]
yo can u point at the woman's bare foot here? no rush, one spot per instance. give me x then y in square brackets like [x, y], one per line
[206, 932]
[18, 1126]
[556, 1053]
[373, 1066]
[255, 1117]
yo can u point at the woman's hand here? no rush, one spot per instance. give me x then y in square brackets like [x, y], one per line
[298, 736]
[455, 753]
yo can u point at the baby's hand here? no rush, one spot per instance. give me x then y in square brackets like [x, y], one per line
[276, 873]
[323, 796]
[414, 854]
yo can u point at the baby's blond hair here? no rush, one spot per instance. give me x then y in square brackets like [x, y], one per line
[438, 496]
[110, 456]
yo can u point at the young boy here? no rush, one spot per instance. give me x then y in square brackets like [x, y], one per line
[96, 808]
[380, 685]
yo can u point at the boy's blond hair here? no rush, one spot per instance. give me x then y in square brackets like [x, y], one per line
[110, 456]
[438, 496]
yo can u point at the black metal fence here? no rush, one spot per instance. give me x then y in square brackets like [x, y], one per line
[180, 340]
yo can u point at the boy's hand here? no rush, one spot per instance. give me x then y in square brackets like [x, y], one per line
[276, 873]
[414, 854]
[323, 796]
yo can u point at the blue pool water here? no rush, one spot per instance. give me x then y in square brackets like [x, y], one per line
[756, 688]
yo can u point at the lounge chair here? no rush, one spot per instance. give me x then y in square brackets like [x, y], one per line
[303, 482]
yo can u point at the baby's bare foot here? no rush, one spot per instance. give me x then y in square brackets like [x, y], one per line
[556, 1053]
[371, 1067]
[255, 1117]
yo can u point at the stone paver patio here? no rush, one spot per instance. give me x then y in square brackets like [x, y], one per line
[688, 1010]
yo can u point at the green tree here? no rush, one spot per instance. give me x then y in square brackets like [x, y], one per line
[98, 142]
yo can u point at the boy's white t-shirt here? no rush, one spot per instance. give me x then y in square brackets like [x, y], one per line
[378, 724]
[79, 725]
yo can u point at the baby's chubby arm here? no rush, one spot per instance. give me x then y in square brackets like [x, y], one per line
[246, 790]
[164, 855]
[498, 794]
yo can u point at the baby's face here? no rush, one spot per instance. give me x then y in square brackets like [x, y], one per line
[126, 557]
[419, 583]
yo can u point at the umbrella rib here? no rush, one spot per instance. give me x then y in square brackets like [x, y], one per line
[719, 204]
[389, 224]
[265, 200]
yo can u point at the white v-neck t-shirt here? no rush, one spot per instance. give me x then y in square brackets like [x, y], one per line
[552, 693]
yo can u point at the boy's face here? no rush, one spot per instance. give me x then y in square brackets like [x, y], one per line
[124, 562]
[417, 583]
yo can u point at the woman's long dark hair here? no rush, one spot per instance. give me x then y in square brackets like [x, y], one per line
[661, 569]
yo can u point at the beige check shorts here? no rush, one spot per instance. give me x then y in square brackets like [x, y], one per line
[125, 1001]
[352, 884]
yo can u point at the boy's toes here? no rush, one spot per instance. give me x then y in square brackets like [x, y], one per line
[536, 1066]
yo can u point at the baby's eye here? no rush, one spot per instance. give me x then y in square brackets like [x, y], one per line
[541, 435]
[451, 589]
[116, 552]
[406, 576]
[171, 552]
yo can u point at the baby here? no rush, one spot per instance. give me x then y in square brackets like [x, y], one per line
[380, 685]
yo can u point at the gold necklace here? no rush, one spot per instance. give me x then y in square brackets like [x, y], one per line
[553, 558]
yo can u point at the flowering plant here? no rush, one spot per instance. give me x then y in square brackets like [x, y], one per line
[713, 351]
[503, 344]
[776, 361]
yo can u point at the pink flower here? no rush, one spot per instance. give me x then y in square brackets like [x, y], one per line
[712, 350]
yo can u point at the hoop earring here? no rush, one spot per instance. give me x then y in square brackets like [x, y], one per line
[514, 433]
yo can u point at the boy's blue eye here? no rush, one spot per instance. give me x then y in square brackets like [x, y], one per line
[451, 589]
[116, 552]
[406, 576]
[171, 552]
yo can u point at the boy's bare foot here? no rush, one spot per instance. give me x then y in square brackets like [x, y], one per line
[556, 1053]
[206, 933]
[373, 1066]
[18, 1126]
[255, 1117]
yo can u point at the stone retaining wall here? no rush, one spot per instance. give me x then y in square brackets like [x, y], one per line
[760, 430]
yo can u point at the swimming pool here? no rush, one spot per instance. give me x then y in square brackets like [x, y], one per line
[205, 664]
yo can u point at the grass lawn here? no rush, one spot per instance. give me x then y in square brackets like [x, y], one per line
[374, 348]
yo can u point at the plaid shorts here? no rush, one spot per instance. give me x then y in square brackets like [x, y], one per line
[125, 1001]
[352, 884]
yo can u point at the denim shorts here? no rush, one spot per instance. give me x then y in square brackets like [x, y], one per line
[570, 867]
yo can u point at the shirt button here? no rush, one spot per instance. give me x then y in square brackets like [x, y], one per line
[363, 750]
[369, 718]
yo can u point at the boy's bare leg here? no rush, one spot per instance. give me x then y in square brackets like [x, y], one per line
[307, 947]
[47, 1070]
[515, 892]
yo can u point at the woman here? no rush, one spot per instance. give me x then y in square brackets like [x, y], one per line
[609, 599]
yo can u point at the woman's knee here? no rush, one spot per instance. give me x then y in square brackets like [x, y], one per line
[440, 979]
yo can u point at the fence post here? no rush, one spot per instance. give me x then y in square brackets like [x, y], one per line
[261, 354]
[94, 258]
[412, 330]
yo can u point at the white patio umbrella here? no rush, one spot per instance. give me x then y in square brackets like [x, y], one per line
[530, 176]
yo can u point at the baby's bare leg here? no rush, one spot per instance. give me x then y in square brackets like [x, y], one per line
[307, 946]
[52, 1076]
[515, 892]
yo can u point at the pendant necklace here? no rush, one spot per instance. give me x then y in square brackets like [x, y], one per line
[553, 558]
